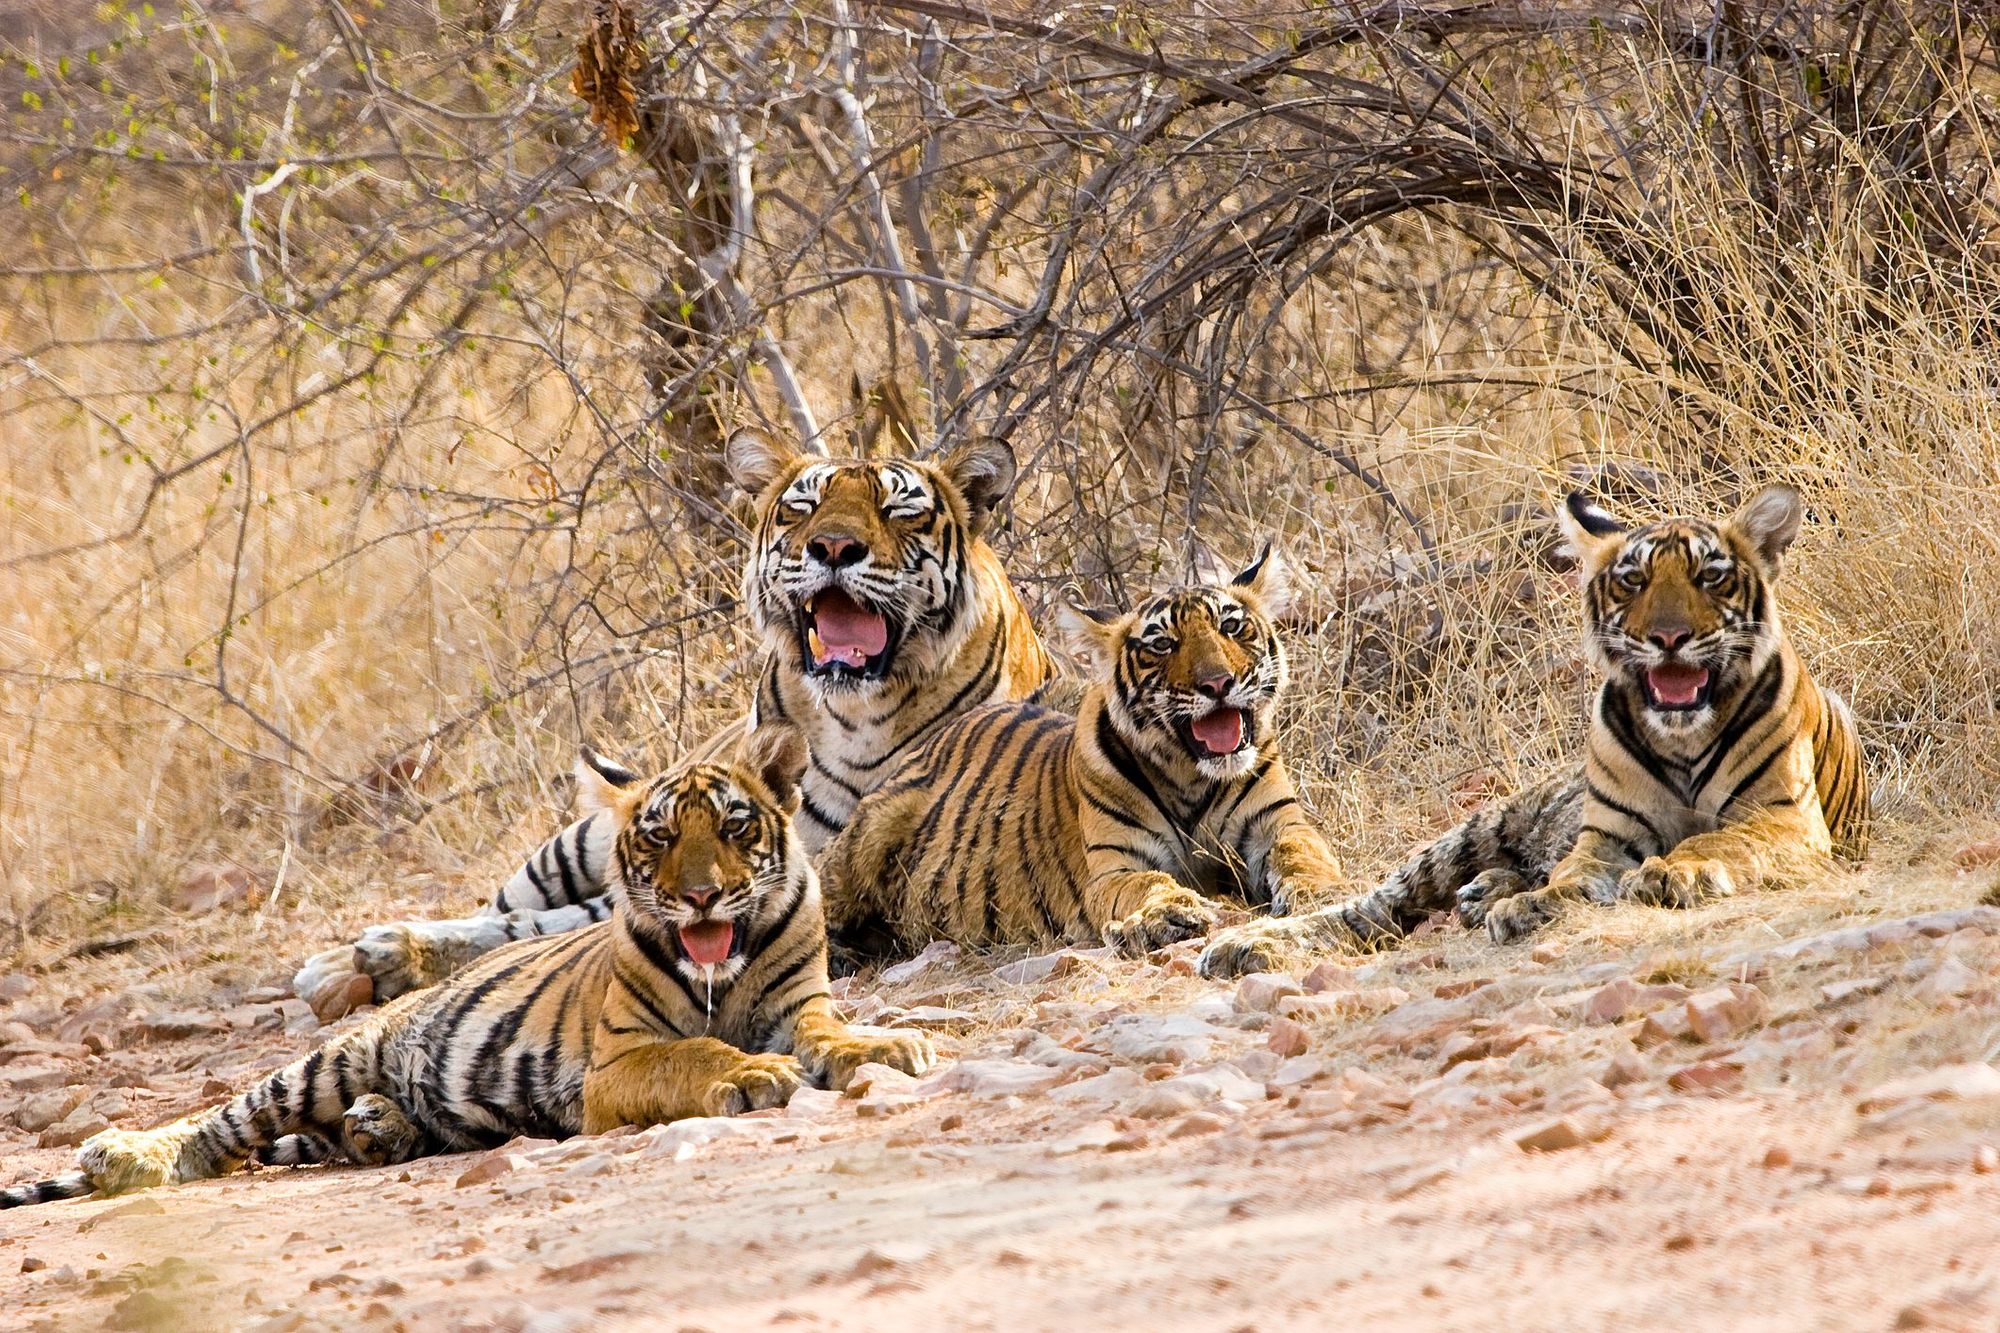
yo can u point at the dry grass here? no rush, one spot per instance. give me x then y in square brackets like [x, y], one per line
[360, 641]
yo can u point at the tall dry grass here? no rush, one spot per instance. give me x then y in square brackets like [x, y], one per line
[328, 562]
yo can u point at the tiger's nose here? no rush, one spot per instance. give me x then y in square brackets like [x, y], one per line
[1670, 637]
[701, 895]
[1216, 687]
[836, 550]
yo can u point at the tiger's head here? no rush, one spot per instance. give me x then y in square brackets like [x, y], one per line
[1680, 612]
[862, 568]
[1193, 674]
[705, 855]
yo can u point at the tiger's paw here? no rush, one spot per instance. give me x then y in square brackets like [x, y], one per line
[754, 1083]
[1254, 947]
[376, 1132]
[1293, 897]
[1477, 895]
[119, 1161]
[1665, 881]
[833, 1063]
[1522, 915]
[1171, 913]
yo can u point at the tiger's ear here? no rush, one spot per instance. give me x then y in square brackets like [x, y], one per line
[1091, 634]
[1589, 533]
[1268, 581]
[1769, 521]
[601, 783]
[754, 460]
[776, 753]
[983, 470]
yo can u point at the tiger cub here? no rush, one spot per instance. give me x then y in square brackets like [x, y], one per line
[883, 614]
[1714, 763]
[1016, 825]
[704, 994]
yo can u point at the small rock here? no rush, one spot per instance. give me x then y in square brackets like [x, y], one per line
[1951, 978]
[1452, 990]
[1777, 1157]
[1287, 1038]
[42, 1109]
[14, 985]
[1420, 1177]
[1042, 967]
[1112, 1086]
[1627, 1067]
[1201, 1122]
[30, 1264]
[1663, 1026]
[1546, 952]
[993, 1078]
[936, 952]
[1155, 1039]
[334, 1002]
[1964, 1082]
[1973, 855]
[299, 1016]
[1260, 992]
[1095, 1135]
[216, 1087]
[1985, 1159]
[937, 1018]
[1679, 1241]
[74, 1128]
[12, 1033]
[18, 1080]
[494, 1167]
[1329, 976]
[1706, 1076]
[177, 1024]
[1570, 1131]
[1723, 1012]
[1342, 1004]
[889, 1257]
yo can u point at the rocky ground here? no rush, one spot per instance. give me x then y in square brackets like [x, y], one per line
[1774, 1112]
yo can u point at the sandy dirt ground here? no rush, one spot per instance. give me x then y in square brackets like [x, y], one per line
[1770, 1113]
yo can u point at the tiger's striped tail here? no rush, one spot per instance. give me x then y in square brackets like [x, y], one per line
[70, 1185]
[1524, 835]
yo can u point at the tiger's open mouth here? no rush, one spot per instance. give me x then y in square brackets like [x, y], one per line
[843, 639]
[1218, 732]
[1678, 687]
[706, 943]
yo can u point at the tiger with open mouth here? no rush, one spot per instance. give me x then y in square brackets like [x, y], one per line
[1124, 824]
[883, 613]
[705, 994]
[1715, 762]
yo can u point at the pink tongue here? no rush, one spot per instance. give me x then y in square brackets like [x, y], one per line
[708, 942]
[845, 632]
[1221, 731]
[1677, 685]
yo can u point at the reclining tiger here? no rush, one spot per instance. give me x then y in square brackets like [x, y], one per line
[883, 614]
[705, 994]
[1019, 825]
[1715, 763]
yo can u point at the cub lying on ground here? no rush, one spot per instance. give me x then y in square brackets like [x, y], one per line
[1715, 763]
[1016, 825]
[704, 994]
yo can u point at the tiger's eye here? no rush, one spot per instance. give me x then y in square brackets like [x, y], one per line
[1632, 578]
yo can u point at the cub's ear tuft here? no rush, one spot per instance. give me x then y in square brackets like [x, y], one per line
[983, 470]
[754, 461]
[1769, 521]
[600, 781]
[1090, 634]
[1589, 532]
[776, 753]
[1268, 581]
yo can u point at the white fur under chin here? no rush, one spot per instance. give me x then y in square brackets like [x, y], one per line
[1224, 767]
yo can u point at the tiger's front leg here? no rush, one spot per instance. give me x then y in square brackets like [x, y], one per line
[1143, 910]
[1590, 872]
[651, 1082]
[830, 1051]
[1781, 846]
[1305, 874]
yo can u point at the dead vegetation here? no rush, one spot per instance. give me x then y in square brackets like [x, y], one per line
[361, 367]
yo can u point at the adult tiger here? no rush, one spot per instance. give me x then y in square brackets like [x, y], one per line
[705, 994]
[1017, 825]
[883, 613]
[1715, 762]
